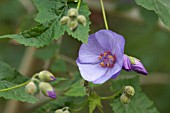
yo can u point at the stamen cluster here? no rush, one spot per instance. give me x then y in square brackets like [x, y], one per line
[107, 59]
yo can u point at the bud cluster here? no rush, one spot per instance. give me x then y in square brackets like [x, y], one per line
[129, 91]
[63, 110]
[42, 78]
[73, 18]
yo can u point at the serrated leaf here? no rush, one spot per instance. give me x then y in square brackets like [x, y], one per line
[52, 8]
[50, 28]
[94, 101]
[76, 90]
[10, 77]
[139, 102]
[161, 7]
[39, 36]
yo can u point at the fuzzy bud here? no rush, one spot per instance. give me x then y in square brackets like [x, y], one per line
[30, 88]
[129, 90]
[47, 89]
[82, 19]
[66, 111]
[72, 24]
[59, 111]
[124, 99]
[64, 20]
[46, 76]
[73, 13]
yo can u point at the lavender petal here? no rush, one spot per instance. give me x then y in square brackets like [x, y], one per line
[90, 52]
[91, 72]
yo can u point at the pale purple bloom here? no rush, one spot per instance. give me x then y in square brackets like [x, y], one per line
[134, 65]
[51, 94]
[102, 57]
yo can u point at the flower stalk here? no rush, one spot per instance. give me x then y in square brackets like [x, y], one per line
[104, 14]
[14, 87]
[78, 5]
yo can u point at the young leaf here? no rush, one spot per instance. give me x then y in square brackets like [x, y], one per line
[10, 77]
[138, 104]
[94, 101]
[161, 7]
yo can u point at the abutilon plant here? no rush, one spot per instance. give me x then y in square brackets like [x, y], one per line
[97, 75]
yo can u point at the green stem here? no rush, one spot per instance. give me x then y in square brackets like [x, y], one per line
[78, 5]
[20, 85]
[113, 96]
[104, 14]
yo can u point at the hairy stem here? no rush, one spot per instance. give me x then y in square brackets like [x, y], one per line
[14, 87]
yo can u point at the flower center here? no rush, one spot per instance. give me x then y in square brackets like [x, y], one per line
[107, 59]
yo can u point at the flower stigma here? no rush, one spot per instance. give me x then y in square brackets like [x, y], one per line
[107, 59]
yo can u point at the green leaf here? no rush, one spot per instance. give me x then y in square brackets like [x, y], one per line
[161, 7]
[10, 77]
[50, 28]
[76, 90]
[94, 101]
[138, 104]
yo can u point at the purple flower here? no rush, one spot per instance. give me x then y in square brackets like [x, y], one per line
[102, 57]
[133, 64]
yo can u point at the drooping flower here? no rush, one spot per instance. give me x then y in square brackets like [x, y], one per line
[133, 64]
[102, 57]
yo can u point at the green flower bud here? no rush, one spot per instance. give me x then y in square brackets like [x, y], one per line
[47, 89]
[66, 111]
[64, 20]
[46, 76]
[82, 19]
[129, 90]
[59, 111]
[72, 24]
[73, 13]
[30, 88]
[124, 99]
